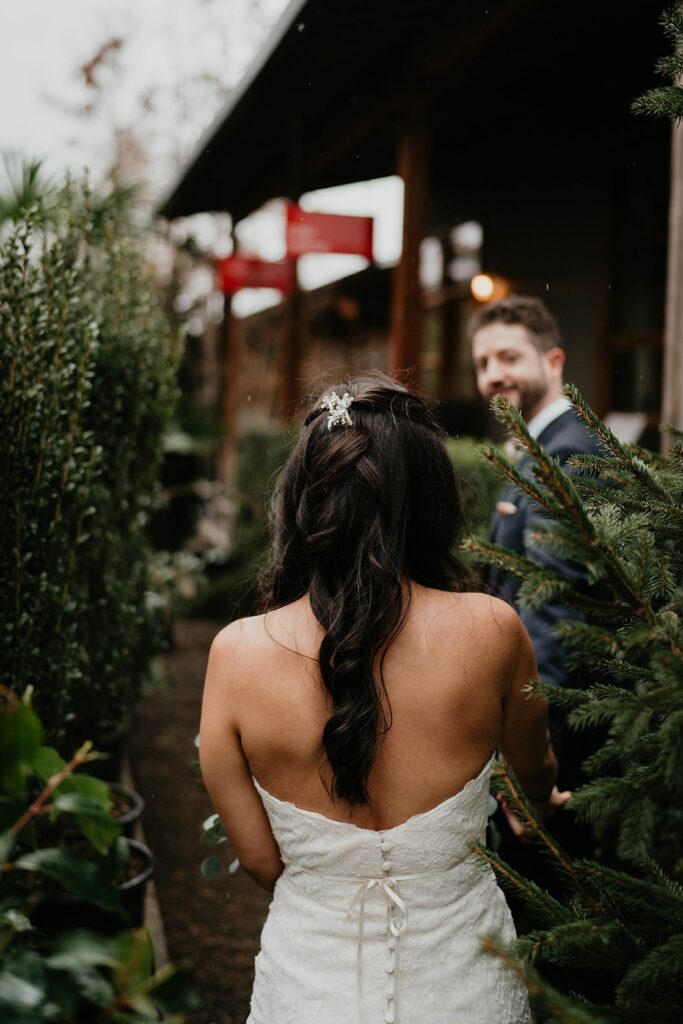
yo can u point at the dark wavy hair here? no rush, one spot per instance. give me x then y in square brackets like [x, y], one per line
[359, 512]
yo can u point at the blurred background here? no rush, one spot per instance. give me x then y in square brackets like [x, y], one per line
[491, 148]
[278, 194]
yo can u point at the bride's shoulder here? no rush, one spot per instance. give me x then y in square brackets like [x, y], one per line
[484, 613]
[239, 634]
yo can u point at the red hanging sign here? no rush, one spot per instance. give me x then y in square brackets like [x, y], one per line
[236, 272]
[327, 232]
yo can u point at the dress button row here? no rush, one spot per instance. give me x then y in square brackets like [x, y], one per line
[389, 1017]
[389, 968]
[391, 943]
[386, 865]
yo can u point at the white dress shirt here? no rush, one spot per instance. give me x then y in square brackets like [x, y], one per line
[545, 417]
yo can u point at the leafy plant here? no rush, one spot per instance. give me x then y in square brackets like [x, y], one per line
[66, 974]
[87, 387]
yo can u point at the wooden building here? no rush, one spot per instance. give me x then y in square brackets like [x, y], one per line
[510, 114]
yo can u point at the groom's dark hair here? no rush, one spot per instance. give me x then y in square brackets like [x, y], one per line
[359, 511]
[531, 313]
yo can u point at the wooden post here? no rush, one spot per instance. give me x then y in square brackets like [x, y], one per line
[672, 383]
[290, 356]
[228, 369]
[449, 339]
[406, 305]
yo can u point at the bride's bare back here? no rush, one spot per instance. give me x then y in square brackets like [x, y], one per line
[453, 679]
[367, 500]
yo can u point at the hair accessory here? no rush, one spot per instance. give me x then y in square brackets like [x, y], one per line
[338, 409]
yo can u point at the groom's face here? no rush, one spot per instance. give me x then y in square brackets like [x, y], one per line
[507, 363]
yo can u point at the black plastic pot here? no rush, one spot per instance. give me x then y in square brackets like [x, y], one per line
[137, 806]
[65, 912]
[133, 891]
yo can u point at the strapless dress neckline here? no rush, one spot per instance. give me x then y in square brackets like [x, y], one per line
[421, 815]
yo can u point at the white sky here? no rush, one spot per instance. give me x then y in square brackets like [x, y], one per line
[152, 88]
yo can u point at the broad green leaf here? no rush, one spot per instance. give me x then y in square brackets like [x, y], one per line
[7, 840]
[81, 803]
[135, 955]
[18, 993]
[92, 816]
[173, 992]
[78, 950]
[91, 786]
[20, 736]
[93, 986]
[47, 763]
[79, 877]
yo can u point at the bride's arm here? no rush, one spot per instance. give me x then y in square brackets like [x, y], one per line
[525, 741]
[225, 768]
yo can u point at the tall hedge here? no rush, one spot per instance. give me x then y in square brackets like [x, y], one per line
[87, 387]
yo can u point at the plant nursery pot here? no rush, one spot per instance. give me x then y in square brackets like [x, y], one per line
[127, 807]
[132, 891]
[64, 913]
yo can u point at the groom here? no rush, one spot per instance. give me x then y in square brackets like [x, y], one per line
[517, 351]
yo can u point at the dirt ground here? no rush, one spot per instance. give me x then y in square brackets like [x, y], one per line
[213, 927]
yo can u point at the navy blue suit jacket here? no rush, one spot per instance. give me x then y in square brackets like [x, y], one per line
[563, 437]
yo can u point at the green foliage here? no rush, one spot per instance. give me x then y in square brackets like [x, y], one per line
[231, 593]
[87, 387]
[23, 186]
[622, 919]
[70, 974]
[480, 483]
[667, 101]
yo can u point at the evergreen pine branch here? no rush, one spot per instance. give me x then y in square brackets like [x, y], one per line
[504, 558]
[587, 943]
[523, 483]
[523, 811]
[664, 101]
[565, 499]
[660, 892]
[619, 668]
[632, 463]
[598, 465]
[547, 469]
[670, 66]
[659, 969]
[544, 907]
[563, 1008]
[673, 888]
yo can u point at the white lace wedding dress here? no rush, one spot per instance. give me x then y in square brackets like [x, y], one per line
[383, 927]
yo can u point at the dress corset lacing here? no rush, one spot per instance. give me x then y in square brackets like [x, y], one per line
[397, 913]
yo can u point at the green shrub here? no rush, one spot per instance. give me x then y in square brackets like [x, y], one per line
[230, 592]
[480, 483]
[67, 974]
[87, 387]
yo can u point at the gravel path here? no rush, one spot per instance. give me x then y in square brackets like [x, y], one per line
[213, 927]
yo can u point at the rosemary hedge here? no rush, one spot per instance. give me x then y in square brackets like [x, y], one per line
[87, 386]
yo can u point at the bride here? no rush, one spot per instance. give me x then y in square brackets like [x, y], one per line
[348, 734]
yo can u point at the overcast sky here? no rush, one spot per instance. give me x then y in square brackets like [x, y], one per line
[150, 85]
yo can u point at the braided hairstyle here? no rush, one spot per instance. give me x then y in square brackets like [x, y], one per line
[359, 512]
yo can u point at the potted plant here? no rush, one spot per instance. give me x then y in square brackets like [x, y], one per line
[127, 806]
[55, 965]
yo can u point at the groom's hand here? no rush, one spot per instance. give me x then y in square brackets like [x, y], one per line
[543, 808]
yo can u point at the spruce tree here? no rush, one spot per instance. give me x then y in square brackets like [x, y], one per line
[619, 516]
[667, 100]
